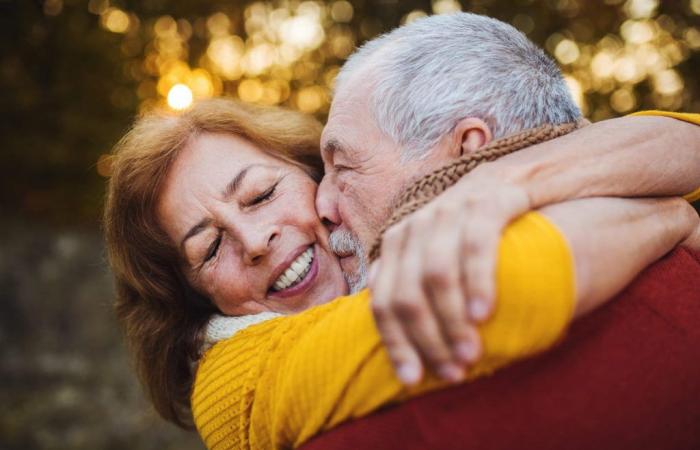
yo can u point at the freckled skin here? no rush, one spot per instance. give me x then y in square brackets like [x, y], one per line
[256, 236]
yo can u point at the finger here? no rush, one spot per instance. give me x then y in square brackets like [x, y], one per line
[479, 244]
[403, 356]
[442, 284]
[412, 307]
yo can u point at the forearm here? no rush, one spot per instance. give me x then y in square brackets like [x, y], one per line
[612, 240]
[626, 157]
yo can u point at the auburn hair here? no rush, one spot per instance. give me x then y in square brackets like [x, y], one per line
[161, 314]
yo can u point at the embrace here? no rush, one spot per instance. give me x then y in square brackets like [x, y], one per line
[243, 239]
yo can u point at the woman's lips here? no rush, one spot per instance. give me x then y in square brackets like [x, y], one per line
[304, 284]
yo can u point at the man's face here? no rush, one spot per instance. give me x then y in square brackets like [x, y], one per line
[363, 176]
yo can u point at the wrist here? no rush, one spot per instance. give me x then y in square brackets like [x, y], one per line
[543, 181]
[690, 232]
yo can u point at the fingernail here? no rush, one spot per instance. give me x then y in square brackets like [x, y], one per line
[479, 309]
[408, 373]
[450, 372]
[466, 351]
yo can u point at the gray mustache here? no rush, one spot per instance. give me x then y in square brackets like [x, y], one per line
[343, 242]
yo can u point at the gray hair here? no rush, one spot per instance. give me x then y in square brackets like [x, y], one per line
[431, 73]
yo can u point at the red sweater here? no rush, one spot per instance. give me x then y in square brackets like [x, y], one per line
[626, 377]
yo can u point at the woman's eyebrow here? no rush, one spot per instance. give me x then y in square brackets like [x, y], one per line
[194, 231]
[236, 181]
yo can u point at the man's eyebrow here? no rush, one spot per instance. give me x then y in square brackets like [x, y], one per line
[194, 231]
[332, 146]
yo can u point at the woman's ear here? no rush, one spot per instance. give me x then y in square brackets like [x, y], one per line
[469, 135]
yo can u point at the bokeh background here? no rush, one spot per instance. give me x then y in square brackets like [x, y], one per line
[74, 73]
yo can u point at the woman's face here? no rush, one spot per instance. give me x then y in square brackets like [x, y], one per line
[246, 226]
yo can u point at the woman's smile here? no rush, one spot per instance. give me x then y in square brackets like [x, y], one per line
[297, 276]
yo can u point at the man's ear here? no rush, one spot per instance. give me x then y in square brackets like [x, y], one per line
[469, 135]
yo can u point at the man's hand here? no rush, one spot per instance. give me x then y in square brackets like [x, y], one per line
[436, 276]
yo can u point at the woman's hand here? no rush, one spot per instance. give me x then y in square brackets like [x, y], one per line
[436, 276]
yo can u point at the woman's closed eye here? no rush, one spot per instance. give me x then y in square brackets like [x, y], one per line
[213, 248]
[265, 195]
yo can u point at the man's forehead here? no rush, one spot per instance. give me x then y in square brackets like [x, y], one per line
[343, 128]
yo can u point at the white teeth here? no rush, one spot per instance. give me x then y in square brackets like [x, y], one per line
[298, 267]
[296, 271]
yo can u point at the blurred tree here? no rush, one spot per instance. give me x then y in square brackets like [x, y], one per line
[74, 72]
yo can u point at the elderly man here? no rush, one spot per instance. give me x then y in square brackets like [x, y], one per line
[421, 96]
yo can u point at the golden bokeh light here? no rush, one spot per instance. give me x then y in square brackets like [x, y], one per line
[201, 83]
[180, 97]
[310, 99]
[218, 24]
[413, 15]
[566, 51]
[623, 100]
[226, 54]
[603, 64]
[641, 9]
[115, 20]
[637, 31]
[692, 38]
[446, 6]
[53, 7]
[98, 7]
[251, 90]
[342, 11]
[695, 6]
[668, 82]
[576, 90]
[289, 52]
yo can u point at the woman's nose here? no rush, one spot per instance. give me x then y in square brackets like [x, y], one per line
[257, 242]
[254, 238]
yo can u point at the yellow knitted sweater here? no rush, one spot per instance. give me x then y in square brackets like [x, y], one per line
[278, 383]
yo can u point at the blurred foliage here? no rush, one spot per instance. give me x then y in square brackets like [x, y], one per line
[74, 72]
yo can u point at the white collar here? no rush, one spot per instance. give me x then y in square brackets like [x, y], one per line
[222, 327]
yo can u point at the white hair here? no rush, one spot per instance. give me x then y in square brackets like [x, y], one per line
[431, 73]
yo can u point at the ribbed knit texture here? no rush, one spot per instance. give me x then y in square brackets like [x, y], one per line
[278, 383]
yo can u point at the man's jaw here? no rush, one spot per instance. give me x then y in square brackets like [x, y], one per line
[348, 248]
[354, 270]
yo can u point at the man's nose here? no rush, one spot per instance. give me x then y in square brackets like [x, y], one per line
[327, 203]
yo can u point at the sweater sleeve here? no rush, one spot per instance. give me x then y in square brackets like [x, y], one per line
[686, 117]
[278, 383]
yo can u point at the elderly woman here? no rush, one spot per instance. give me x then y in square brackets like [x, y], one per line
[212, 211]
